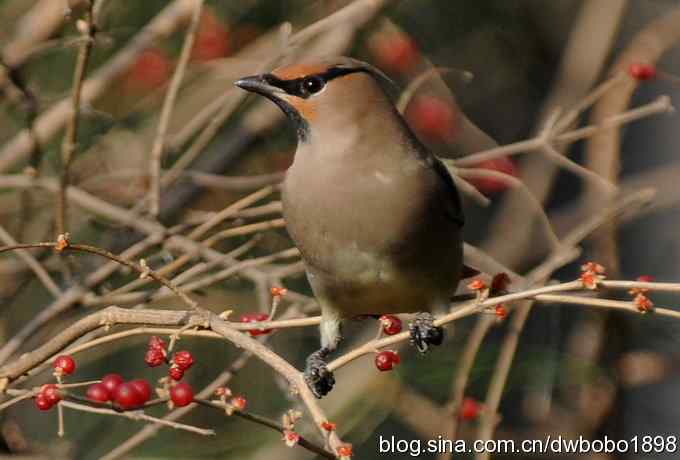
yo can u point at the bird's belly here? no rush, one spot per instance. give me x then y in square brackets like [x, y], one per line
[372, 246]
[371, 290]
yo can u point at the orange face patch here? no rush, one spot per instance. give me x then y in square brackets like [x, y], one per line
[304, 107]
[299, 70]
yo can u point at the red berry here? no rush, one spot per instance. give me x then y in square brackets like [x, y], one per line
[386, 360]
[154, 357]
[642, 72]
[469, 409]
[143, 388]
[64, 364]
[42, 403]
[127, 396]
[212, 38]
[98, 392]
[111, 382]
[156, 342]
[150, 70]
[646, 278]
[254, 318]
[433, 119]
[176, 373]
[51, 393]
[491, 186]
[394, 52]
[182, 394]
[183, 359]
[391, 324]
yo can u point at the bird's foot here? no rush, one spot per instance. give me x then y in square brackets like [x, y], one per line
[424, 333]
[317, 376]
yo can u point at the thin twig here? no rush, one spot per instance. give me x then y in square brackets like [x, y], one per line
[166, 111]
[68, 145]
[137, 415]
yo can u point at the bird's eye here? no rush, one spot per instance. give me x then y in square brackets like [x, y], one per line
[312, 85]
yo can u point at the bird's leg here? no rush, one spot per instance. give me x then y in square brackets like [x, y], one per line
[424, 333]
[317, 376]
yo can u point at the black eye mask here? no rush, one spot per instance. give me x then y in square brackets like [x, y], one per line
[308, 86]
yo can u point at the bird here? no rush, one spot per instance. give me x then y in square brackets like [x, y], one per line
[376, 216]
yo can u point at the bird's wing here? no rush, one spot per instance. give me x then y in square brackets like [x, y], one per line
[454, 208]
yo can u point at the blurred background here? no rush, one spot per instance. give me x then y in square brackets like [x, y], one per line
[576, 372]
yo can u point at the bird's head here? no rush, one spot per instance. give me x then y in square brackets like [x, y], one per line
[319, 95]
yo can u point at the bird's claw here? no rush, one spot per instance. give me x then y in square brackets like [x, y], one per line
[424, 333]
[317, 376]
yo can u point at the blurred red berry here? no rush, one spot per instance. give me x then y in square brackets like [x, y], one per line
[499, 284]
[212, 38]
[98, 392]
[42, 403]
[645, 278]
[176, 372]
[156, 343]
[111, 382]
[150, 70]
[469, 409]
[394, 52]
[433, 119]
[143, 388]
[642, 72]
[182, 394]
[127, 396]
[391, 324]
[51, 392]
[386, 360]
[183, 359]
[491, 186]
[64, 364]
[254, 318]
[154, 357]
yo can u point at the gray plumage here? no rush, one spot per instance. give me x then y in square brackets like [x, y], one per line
[376, 217]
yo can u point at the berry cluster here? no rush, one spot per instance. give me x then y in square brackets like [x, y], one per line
[157, 354]
[126, 395]
[48, 396]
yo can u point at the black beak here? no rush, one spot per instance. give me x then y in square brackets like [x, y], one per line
[258, 84]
